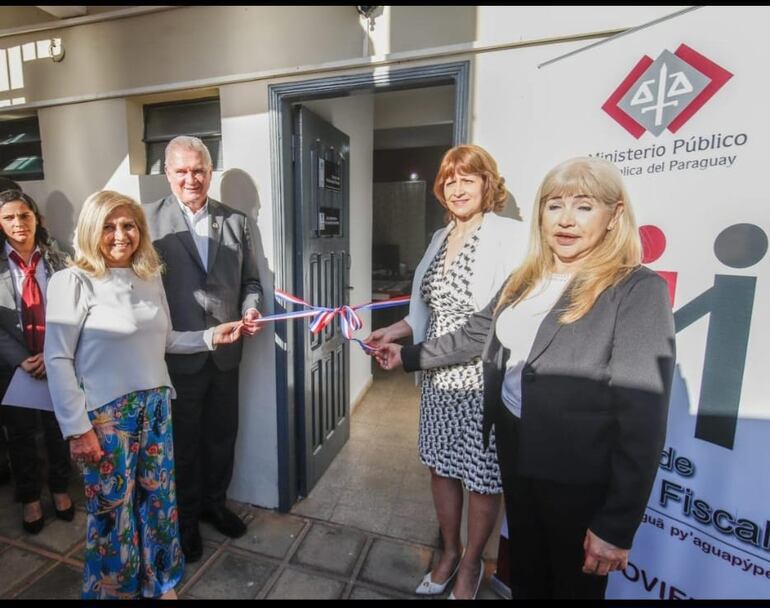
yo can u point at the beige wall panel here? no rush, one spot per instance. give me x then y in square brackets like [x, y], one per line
[16, 16]
[414, 108]
[190, 43]
[421, 27]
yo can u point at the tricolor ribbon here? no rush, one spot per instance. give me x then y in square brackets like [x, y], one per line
[350, 321]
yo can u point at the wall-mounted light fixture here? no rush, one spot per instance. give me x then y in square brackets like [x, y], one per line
[367, 15]
[366, 11]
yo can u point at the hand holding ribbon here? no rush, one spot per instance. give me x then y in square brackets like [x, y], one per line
[350, 321]
[250, 325]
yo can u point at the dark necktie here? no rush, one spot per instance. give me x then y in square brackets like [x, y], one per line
[32, 309]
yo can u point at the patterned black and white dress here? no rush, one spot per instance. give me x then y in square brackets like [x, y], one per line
[451, 403]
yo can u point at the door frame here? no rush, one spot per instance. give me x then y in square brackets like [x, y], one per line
[280, 99]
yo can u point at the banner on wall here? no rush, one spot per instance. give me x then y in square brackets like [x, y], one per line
[679, 108]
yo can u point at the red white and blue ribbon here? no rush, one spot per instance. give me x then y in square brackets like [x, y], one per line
[350, 321]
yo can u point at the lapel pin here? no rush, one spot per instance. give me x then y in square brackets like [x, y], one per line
[214, 225]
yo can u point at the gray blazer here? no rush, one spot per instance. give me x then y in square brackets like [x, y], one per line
[199, 297]
[594, 393]
[13, 348]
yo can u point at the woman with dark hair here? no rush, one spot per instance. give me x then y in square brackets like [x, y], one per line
[8, 184]
[28, 257]
[463, 267]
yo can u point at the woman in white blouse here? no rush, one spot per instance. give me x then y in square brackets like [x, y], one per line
[108, 329]
[465, 264]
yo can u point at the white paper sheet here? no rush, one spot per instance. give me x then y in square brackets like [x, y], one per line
[26, 391]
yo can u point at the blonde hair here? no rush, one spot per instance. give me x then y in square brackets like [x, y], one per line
[88, 235]
[619, 252]
[472, 160]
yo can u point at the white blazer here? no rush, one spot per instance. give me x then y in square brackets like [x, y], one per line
[502, 247]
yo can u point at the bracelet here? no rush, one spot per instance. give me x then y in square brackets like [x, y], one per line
[75, 436]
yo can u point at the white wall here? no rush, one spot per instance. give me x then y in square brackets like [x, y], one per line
[500, 24]
[355, 117]
[243, 185]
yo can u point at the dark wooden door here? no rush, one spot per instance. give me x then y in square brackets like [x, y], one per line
[322, 262]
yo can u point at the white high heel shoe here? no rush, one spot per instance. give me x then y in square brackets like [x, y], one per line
[478, 584]
[428, 587]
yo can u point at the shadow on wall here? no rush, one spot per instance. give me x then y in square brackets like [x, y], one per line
[238, 190]
[512, 208]
[60, 212]
[153, 187]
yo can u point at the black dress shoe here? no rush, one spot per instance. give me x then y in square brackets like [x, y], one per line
[67, 514]
[33, 527]
[192, 543]
[225, 521]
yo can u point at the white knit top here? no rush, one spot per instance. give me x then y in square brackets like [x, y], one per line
[106, 337]
[517, 328]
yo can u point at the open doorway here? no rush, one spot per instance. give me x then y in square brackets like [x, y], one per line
[408, 147]
[375, 481]
[386, 148]
[349, 104]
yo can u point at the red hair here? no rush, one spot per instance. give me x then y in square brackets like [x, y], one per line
[472, 160]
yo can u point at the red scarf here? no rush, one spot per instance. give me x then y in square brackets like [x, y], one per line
[32, 308]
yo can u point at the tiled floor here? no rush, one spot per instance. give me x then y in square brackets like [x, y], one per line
[366, 531]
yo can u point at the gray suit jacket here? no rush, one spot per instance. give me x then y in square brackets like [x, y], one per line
[13, 348]
[594, 393]
[199, 297]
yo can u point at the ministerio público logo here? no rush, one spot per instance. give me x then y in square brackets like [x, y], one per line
[665, 93]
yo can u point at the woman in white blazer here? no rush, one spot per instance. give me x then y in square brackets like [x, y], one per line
[464, 266]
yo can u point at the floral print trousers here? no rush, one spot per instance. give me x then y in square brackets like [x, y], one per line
[132, 533]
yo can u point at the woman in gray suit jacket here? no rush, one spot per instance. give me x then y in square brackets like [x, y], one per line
[21, 238]
[578, 353]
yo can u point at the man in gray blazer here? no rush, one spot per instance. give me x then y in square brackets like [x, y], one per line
[211, 277]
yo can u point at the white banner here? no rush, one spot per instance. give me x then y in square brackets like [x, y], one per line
[681, 108]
